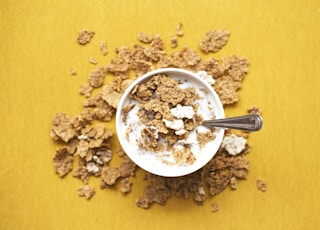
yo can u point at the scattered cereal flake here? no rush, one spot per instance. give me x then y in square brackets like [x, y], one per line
[261, 185]
[179, 31]
[111, 96]
[73, 72]
[125, 185]
[173, 42]
[85, 90]
[226, 88]
[200, 196]
[86, 191]
[204, 138]
[143, 37]
[62, 127]
[93, 61]
[236, 67]
[221, 168]
[96, 78]
[127, 167]
[233, 144]
[85, 36]
[103, 48]
[214, 40]
[109, 176]
[214, 207]
[254, 110]
[213, 67]
[63, 161]
[82, 173]
[186, 58]
[118, 65]
[155, 192]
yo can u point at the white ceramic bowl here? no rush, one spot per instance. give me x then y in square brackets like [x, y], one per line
[150, 162]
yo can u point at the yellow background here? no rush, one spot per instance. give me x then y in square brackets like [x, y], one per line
[38, 50]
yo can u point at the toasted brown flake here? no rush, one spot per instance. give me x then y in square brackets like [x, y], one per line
[111, 96]
[155, 192]
[200, 196]
[96, 78]
[86, 191]
[125, 185]
[62, 127]
[143, 37]
[214, 40]
[236, 67]
[222, 168]
[82, 173]
[261, 185]
[85, 37]
[63, 161]
[109, 176]
[226, 88]
[86, 90]
[127, 167]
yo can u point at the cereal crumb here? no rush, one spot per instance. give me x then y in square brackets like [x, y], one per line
[143, 37]
[93, 61]
[86, 90]
[179, 31]
[103, 48]
[85, 36]
[73, 72]
[214, 40]
[214, 207]
[261, 185]
[173, 42]
[86, 191]
[125, 186]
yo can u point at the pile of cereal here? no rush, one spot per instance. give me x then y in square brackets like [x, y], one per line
[84, 136]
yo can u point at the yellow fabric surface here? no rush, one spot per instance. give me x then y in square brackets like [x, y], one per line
[39, 49]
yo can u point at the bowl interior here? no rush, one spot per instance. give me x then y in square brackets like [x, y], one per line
[149, 161]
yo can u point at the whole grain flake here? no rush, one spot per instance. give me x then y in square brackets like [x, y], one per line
[85, 36]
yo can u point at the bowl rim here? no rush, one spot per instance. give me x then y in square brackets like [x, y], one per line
[178, 170]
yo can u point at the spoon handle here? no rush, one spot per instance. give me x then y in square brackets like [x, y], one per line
[251, 122]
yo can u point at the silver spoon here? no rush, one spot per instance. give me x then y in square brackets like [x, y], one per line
[251, 122]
